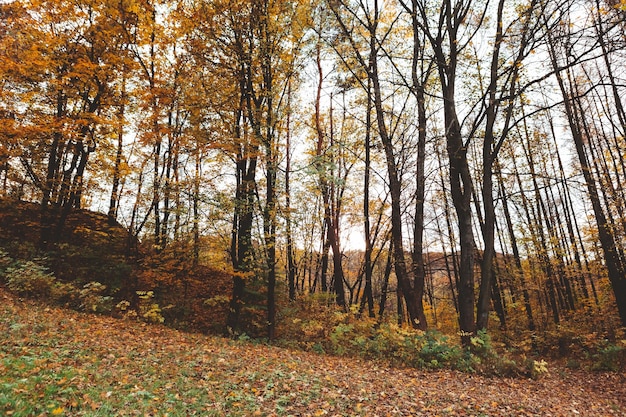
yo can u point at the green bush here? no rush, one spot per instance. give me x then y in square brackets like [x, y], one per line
[316, 324]
[342, 337]
[93, 299]
[608, 358]
[438, 352]
[481, 345]
[399, 345]
[30, 278]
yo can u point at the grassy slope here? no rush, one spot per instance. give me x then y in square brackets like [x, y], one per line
[60, 362]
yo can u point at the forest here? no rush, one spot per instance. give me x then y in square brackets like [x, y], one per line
[322, 171]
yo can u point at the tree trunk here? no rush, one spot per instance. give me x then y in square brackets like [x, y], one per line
[113, 202]
[330, 218]
[516, 255]
[613, 265]
[367, 261]
[385, 286]
[291, 264]
[242, 251]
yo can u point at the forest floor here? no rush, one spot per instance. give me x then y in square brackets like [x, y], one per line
[60, 362]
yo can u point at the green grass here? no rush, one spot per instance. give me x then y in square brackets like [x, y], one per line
[57, 362]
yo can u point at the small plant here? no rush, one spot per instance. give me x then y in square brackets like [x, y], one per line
[30, 279]
[311, 328]
[65, 294]
[608, 358]
[481, 344]
[537, 369]
[244, 338]
[437, 352]
[217, 301]
[341, 337]
[149, 310]
[123, 305]
[5, 262]
[92, 298]
[123, 309]
[318, 348]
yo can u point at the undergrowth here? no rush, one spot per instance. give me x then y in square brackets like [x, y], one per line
[313, 323]
[326, 330]
[32, 278]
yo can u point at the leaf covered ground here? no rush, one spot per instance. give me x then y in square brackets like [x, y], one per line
[60, 362]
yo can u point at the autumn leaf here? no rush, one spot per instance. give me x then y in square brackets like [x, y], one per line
[217, 376]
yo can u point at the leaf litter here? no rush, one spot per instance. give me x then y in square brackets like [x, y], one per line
[60, 362]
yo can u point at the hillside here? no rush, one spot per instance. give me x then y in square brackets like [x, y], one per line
[60, 362]
[89, 248]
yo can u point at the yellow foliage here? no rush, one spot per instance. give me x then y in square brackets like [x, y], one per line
[57, 411]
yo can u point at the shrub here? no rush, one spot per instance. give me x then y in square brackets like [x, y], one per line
[438, 352]
[534, 368]
[93, 299]
[5, 262]
[314, 323]
[123, 310]
[30, 279]
[538, 369]
[148, 309]
[608, 358]
[481, 344]
[342, 338]
[404, 346]
[65, 294]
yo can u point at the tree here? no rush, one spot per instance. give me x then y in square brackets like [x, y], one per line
[324, 160]
[503, 93]
[368, 19]
[448, 43]
[420, 75]
[66, 61]
[562, 48]
[253, 46]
